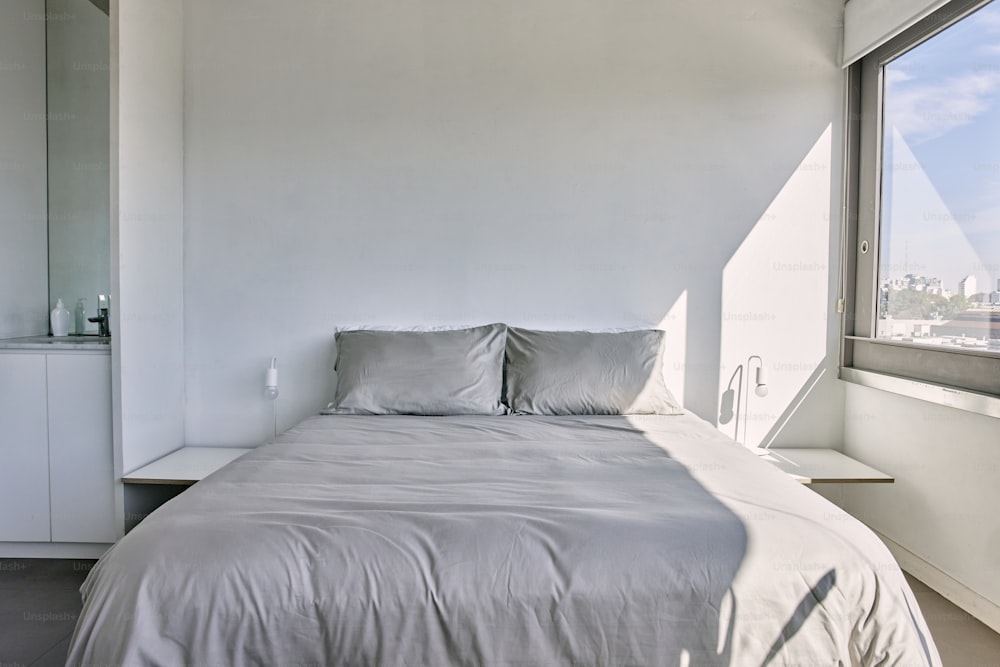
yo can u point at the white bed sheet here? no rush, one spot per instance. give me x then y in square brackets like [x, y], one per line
[499, 541]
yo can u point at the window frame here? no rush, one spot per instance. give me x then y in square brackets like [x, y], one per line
[967, 379]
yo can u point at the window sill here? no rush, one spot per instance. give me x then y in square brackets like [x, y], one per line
[940, 394]
[916, 345]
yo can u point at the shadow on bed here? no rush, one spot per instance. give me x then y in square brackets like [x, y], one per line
[815, 597]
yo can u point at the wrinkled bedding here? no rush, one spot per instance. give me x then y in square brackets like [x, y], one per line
[499, 541]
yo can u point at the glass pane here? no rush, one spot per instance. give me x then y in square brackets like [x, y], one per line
[939, 262]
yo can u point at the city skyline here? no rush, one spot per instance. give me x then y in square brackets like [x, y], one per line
[981, 287]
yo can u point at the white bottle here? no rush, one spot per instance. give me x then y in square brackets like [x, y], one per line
[60, 319]
[81, 316]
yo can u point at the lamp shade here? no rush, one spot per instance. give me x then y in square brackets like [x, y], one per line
[271, 381]
[761, 388]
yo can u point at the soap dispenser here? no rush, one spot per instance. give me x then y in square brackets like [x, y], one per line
[60, 319]
[80, 316]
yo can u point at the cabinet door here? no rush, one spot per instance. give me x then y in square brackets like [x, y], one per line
[81, 462]
[24, 452]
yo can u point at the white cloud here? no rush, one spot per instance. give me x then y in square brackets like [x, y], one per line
[988, 18]
[896, 76]
[925, 111]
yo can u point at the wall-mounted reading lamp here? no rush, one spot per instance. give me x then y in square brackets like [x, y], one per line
[271, 392]
[731, 397]
[271, 383]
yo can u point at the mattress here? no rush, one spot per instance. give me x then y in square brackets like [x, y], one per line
[402, 540]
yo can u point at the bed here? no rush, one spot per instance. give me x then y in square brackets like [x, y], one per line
[499, 539]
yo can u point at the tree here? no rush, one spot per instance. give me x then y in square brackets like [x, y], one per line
[954, 306]
[910, 305]
[914, 305]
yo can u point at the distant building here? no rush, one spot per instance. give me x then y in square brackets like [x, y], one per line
[907, 329]
[967, 286]
[983, 325]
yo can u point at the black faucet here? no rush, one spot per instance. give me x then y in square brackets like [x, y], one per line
[103, 327]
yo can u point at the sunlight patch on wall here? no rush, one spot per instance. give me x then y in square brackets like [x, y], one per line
[775, 292]
[674, 326]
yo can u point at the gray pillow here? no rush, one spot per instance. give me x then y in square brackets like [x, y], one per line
[587, 373]
[456, 372]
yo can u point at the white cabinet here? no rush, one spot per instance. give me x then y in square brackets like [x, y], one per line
[81, 464]
[56, 461]
[24, 449]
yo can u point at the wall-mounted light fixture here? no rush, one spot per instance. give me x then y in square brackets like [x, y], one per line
[735, 396]
[271, 393]
[271, 383]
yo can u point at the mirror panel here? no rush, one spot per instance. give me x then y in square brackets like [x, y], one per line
[78, 119]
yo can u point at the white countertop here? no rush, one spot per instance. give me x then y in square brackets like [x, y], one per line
[56, 343]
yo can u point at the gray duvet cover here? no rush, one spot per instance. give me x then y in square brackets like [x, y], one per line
[499, 541]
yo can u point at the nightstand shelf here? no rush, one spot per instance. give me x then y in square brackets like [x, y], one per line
[185, 466]
[824, 466]
[155, 483]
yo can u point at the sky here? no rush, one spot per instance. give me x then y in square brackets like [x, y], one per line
[942, 112]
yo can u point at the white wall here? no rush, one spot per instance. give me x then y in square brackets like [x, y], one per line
[23, 265]
[554, 164]
[79, 226]
[943, 506]
[147, 87]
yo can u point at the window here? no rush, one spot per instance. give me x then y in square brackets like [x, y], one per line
[939, 249]
[923, 203]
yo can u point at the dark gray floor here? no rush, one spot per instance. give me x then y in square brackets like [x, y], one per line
[39, 605]
[40, 601]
